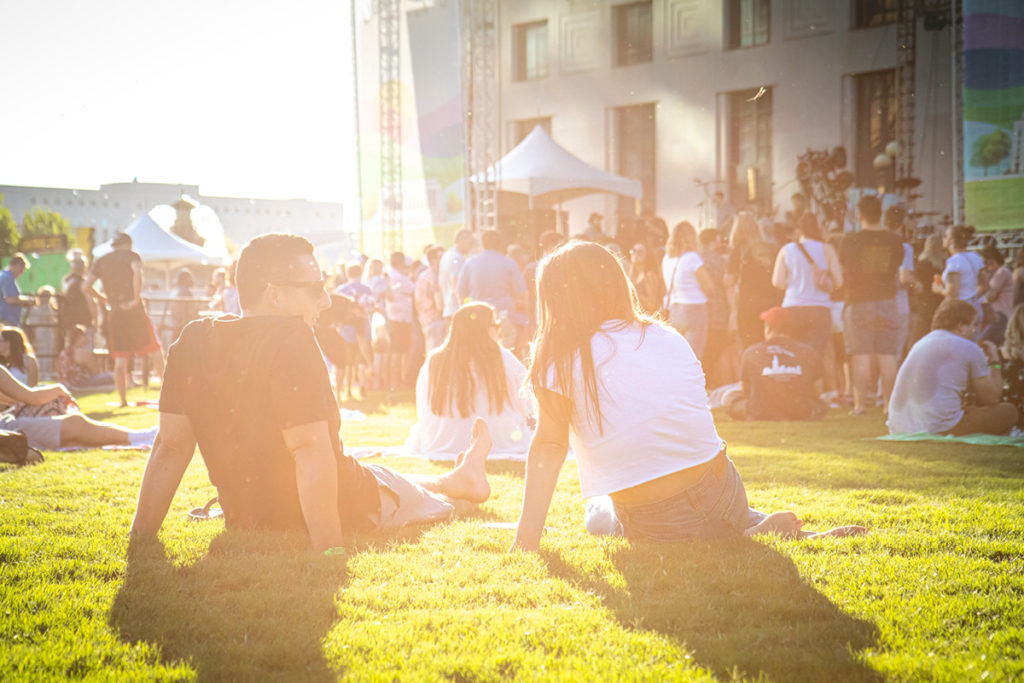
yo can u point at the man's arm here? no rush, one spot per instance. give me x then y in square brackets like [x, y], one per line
[988, 390]
[316, 474]
[89, 287]
[835, 269]
[547, 454]
[136, 287]
[172, 452]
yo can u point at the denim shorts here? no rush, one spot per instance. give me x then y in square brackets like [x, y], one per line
[714, 507]
[871, 327]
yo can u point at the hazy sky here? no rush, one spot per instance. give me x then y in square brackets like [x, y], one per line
[243, 98]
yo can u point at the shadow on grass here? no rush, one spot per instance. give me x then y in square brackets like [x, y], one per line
[250, 608]
[737, 605]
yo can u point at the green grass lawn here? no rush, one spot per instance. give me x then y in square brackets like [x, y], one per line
[935, 592]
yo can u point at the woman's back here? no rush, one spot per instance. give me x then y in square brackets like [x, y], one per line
[443, 437]
[654, 410]
[801, 289]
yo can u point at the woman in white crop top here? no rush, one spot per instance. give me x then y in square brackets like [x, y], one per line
[628, 393]
[810, 306]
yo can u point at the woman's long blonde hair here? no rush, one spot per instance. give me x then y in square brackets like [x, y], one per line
[468, 355]
[580, 287]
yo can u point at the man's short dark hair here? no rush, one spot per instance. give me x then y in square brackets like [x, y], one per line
[870, 209]
[952, 313]
[550, 240]
[397, 259]
[894, 216]
[434, 254]
[708, 236]
[268, 258]
[18, 260]
[492, 239]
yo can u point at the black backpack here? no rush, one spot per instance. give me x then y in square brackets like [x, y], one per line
[14, 449]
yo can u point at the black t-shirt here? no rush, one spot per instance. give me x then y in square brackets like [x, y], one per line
[242, 381]
[779, 376]
[76, 308]
[115, 272]
[871, 261]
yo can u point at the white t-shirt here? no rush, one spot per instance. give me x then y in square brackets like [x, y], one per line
[443, 438]
[801, 290]
[931, 381]
[968, 264]
[684, 287]
[654, 409]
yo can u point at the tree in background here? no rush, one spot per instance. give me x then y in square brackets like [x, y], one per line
[989, 150]
[46, 222]
[8, 231]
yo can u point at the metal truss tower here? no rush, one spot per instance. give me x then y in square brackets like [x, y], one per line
[906, 33]
[481, 100]
[389, 75]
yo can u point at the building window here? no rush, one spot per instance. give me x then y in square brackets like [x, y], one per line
[871, 13]
[635, 153]
[876, 121]
[634, 33]
[530, 42]
[750, 146]
[749, 23]
[523, 127]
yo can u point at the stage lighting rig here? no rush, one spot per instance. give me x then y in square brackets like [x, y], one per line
[824, 183]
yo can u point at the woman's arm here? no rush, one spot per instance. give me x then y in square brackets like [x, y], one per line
[780, 273]
[705, 280]
[34, 396]
[547, 455]
[31, 370]
[952, 290]
[834, 268]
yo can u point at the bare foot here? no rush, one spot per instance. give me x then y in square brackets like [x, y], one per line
[468, 480]
[838, 532]
[785, 524]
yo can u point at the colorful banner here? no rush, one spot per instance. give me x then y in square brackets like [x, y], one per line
[993, 39]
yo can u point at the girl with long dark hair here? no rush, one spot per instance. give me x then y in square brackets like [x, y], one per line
[472, 375]
[628, 393]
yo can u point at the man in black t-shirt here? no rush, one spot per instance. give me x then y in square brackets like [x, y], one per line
[780, 378]
[254, 393]
[129, 330]
[871, 261]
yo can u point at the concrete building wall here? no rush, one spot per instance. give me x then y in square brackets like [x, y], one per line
[809, 63]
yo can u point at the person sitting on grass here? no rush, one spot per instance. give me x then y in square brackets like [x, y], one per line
[50, 432]
[628, 393]
[470, 375]
[781, 378]
[18, 356]
[255, 394]
[949, 384]
[78, 367]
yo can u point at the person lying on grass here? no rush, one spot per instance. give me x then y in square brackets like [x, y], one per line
[254, 393]
[629, 393]
[59, 429]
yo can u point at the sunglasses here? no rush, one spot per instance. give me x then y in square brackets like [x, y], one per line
[312, 287]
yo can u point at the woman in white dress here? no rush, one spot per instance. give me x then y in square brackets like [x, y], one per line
[472, 375]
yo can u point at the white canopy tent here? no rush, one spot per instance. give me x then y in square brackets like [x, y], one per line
[157, 247]
[542, 169]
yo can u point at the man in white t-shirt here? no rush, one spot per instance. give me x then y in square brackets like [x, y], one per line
[949, 384]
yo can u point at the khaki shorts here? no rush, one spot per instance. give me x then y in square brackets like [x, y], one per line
[43, 433]
[403, 502]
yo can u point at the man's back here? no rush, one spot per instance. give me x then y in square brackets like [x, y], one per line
[115, 272]
[871, 261]
[938, 370]
[492, 278]
[779, 375]
[241, 382]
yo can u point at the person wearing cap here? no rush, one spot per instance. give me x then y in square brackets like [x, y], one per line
[12, 301]
[780, 378]
[129, 329]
